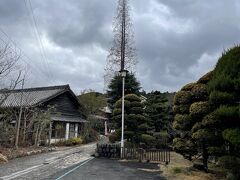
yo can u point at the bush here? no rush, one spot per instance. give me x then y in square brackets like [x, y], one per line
[227, 112]
[232, 136]
[206, 78]
[148, 140]
[117, 111]
[91, 136]
[118, 104]
[182, 122]
[200, 92]
[136, 110]
[143, 127]
[211, 120]
[231, 164]
[196, 127]
[199, 109]
[204, 134]
[113, 138]
[221, 98]
[182, 97]
[7, 134]
[181, 109]
[179, 145]
[132, 97]
[136, 104]
[188, 87]
[74, 141]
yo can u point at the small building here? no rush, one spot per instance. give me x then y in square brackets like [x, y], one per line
[66, 119]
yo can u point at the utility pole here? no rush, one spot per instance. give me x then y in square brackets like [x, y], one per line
[123, 71]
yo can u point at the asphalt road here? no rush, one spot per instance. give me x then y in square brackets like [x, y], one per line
[106, 169]
[42, 166]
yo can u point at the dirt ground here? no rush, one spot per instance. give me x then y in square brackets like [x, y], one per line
[181, 169]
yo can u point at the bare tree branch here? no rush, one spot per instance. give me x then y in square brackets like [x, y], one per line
[122, 54]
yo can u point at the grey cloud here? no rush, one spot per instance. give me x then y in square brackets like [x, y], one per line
[177, 41]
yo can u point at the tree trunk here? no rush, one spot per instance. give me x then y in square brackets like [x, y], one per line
[36, 136]
[24, 130]
[39, 135]
[50, 134]
[205, 156]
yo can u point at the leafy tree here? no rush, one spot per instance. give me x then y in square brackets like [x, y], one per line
[158, 110]
[114, 93]
[92, 102]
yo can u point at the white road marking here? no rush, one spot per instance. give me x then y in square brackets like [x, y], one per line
[74, 169]
[20, 173]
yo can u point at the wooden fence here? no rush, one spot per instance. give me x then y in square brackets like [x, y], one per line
[153, 155]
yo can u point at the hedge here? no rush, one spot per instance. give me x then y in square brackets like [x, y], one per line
[206, 78]
[188, 87]
[200, 92]
[181, 109]
[232, 136]
[182, 97]
[199, 109]
[218, 98]
[132, 97]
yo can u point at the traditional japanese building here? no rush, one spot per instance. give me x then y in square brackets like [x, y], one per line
[67, 120]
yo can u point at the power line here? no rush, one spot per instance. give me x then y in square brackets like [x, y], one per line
[38, 37]
[21, 51]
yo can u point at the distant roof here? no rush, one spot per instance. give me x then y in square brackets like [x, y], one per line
[31, 96]
[106, 110]
[67, 119]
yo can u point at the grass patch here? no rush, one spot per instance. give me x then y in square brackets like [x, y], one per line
[177, 170]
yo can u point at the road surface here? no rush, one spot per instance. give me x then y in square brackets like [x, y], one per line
[107, 169]
[76, 163]
[41, 166]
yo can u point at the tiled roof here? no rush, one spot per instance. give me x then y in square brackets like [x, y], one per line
[68, 119]
[30, 96]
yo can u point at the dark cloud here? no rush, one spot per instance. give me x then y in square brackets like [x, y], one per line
[177, 41]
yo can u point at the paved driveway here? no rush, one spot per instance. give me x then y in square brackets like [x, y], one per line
[106, 169]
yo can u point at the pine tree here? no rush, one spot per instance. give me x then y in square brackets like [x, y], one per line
[136, 125]
[114, 93]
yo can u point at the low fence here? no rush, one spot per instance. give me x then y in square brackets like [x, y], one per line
[153, 155]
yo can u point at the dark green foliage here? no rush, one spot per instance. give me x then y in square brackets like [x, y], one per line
[232, 136]
[183, 97]
[220, 98]
[232, 165]
[206, 78]
[217, 127]
[199, 109]
[188, 87]
[200, 92]
[182, 122]
[148, 140]
[181, 109]
[191, 106]
[226, 71]
[132, 86]
[113, 138]
[159, 110]
[135, 121]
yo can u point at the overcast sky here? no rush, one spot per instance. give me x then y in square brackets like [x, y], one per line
[177, 40]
